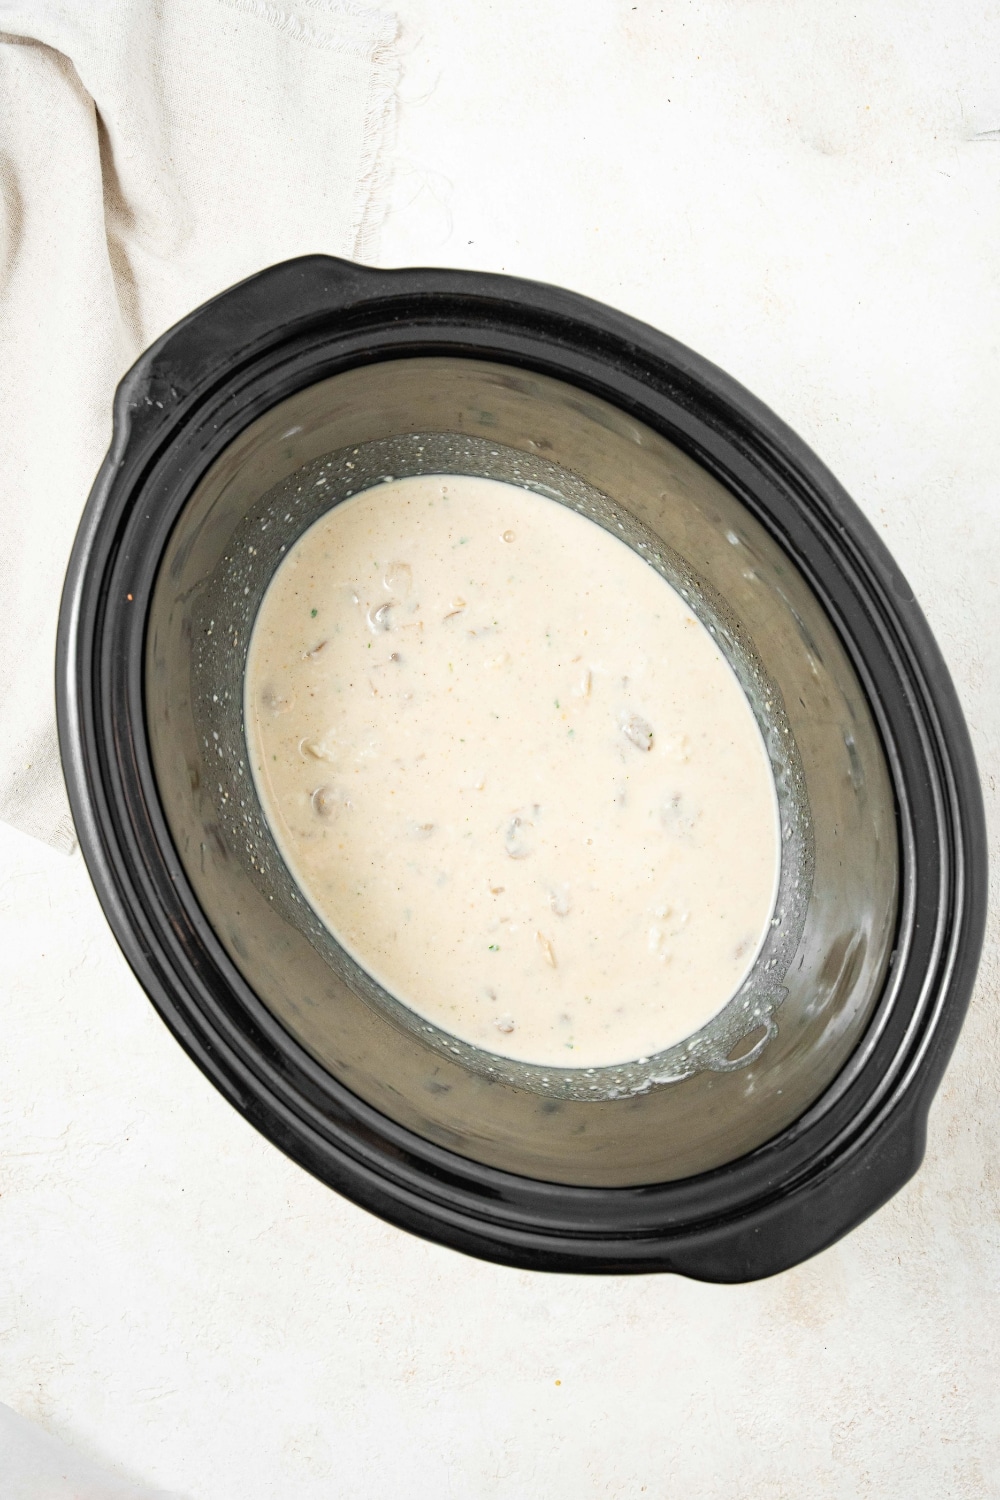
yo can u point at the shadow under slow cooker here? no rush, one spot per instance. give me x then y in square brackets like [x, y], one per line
[782, 1040]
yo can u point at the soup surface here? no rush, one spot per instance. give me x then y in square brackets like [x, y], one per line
[511, 771]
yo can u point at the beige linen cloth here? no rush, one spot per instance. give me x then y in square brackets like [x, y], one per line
[152, 152]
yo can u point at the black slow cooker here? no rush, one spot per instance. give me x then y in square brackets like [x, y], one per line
[734, 1154]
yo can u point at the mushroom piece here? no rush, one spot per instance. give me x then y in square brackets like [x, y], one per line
[637, 731]
[548, 952]
[515, 839]
[559, 900]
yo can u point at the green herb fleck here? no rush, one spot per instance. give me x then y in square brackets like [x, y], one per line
[494, 948]
[314, 613]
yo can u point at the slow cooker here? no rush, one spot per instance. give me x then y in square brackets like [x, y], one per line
[802, 1107]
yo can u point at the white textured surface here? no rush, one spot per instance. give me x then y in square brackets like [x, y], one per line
[795, 192]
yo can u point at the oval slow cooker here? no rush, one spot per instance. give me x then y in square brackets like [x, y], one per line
[802, 1107]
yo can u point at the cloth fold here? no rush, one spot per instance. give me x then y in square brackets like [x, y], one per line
[151, 154]
[34, 1465]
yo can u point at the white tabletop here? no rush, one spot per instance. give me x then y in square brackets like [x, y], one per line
[799, 194]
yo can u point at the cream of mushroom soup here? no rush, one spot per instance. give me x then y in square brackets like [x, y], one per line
[511, 771]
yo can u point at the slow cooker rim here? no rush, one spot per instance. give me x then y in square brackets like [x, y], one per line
[144, 435]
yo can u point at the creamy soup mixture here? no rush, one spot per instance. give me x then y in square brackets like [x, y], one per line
[511, 771]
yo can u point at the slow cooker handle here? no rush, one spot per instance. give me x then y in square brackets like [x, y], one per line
[238, 325]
